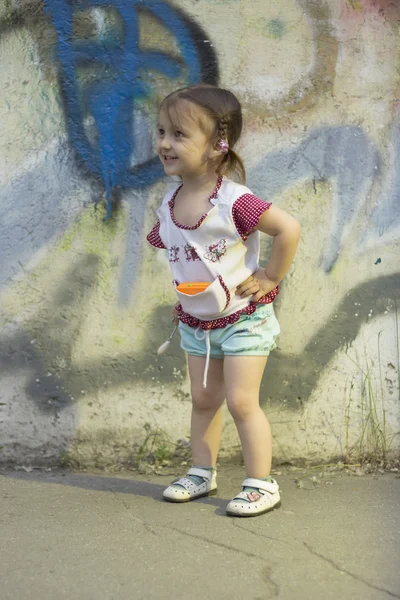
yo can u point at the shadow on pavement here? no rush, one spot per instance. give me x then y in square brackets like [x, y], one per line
[108, 484]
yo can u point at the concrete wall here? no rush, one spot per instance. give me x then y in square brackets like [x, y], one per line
[85, 301]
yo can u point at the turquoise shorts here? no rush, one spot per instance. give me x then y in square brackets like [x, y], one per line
[251, 335]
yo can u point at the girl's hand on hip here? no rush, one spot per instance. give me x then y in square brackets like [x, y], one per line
[257, 285]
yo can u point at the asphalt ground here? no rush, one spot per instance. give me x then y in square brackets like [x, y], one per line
[109, 536]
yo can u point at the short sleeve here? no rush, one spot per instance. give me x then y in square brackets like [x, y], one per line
[154, 237]
[246, 212]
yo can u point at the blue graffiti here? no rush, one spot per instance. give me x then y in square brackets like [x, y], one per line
[111, 100]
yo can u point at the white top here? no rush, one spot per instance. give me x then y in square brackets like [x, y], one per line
[213, 251]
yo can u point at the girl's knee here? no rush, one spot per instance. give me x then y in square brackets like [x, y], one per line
[242, 407]
[206, 398]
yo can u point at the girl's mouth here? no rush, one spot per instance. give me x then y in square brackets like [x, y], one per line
[169, 158]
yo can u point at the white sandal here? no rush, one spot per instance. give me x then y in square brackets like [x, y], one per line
[255, 502]
[191, 490]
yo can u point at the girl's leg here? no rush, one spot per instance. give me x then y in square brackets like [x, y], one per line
[242, 375]
[206, 425]
[205, 432]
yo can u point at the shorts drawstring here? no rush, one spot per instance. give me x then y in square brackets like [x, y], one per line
[206, 336]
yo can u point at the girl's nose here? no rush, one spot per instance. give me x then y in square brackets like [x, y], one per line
[165, 143]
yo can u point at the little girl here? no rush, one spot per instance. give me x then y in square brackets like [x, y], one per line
[210, 226]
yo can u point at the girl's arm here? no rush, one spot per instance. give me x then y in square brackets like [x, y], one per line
[286, 233]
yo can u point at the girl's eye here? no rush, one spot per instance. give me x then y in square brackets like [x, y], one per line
[178, 134]
[161, 132]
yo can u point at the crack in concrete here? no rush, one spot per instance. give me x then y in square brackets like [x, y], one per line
[267, 570]
[341, 570]
[268, 537]
[275, 586]
[129, 509]
[192, 535]
[218, 544]
[315, 553]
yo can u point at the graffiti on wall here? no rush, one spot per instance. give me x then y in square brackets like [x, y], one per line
[108, 80]
[107, 84]
[126, 80]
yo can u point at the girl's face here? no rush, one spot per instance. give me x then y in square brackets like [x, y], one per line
[184, 147]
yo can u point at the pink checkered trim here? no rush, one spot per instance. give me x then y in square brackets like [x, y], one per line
[270, 297]
[224, 321]
[246, 212]
[154, 237]
[226, 290]
[171, 204]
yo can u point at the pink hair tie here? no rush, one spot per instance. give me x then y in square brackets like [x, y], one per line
[223, 146]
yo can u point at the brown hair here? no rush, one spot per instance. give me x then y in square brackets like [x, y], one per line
[226, 113]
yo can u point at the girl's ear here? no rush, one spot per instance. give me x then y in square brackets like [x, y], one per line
[215, 152]
[220, 148]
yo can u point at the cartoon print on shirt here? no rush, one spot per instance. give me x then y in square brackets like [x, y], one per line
[216, 252]
[190, 253]
[173, 254]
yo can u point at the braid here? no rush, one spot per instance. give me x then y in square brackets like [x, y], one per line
[223, 128]
[231, 162]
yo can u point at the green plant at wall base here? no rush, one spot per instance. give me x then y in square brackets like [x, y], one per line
[65, 460]
[347, 422]
[374, 441]
[158, 447]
